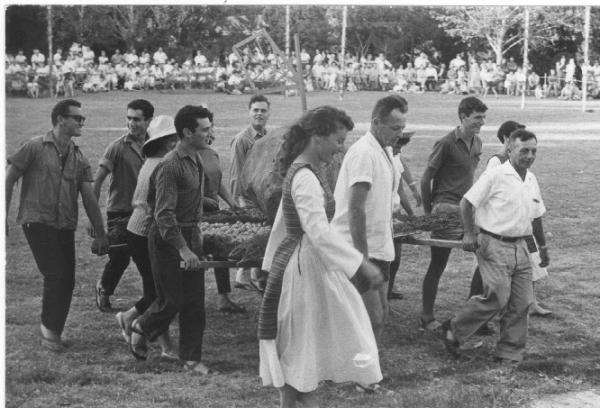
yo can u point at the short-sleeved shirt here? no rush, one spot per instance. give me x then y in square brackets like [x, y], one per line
[504, 203]
[175, 194]
[454, 165]
[240, 146]
[366, 161]
[49, 189]
[123, 158]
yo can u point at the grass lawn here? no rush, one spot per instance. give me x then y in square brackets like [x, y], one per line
[563, 352]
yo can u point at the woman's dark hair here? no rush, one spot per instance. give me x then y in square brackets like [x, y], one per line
[322, 121]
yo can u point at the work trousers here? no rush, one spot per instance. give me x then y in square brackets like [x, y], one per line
[118, 260]
[506, 273]
[138, 248]
[54, 253]
[178, 291]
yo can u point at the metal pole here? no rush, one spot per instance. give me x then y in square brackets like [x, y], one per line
[586, 57]
[287, 31]
[299, 70]
[50, 53]
[343, 57]
[525, 59]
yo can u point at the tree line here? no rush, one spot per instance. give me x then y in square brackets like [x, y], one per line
[397, 31]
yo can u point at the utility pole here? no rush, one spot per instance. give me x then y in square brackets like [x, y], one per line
[586, 57]
[525, 56]
[287, 31]
[50, 52]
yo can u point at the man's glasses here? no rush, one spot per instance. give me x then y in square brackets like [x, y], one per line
[76, 118]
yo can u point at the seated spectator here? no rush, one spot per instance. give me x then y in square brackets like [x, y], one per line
[88, 55]
[37, 57]
[510, 83]
[103, 58]
[116, 58]
[462, 84]
[570, 92]
[431, 77]
[33, 87]
[121, 71]
[401, 80]
[200, 60]
[20, 58]
[533, 80]
[385, 79]
[521, 78]
[159, 57]
[57, 58]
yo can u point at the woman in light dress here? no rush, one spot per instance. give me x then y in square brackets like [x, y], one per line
[313, 325]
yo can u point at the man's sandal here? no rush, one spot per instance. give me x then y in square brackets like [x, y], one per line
[137, 342]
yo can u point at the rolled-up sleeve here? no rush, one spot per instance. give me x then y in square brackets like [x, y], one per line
[23, 157]
[110, 156]
[166, 178]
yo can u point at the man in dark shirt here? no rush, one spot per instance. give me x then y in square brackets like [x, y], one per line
[175, 199]
[448, 176]
[123, 160]
[54, 173]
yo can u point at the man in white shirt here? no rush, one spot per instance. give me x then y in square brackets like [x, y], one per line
[37, 57]
[159, 56]
[502, 203]
[364, 196]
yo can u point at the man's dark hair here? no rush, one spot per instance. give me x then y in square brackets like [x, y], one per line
[386, 105]
[258, 98]
[62, 109]
[469, 105]
[507, 128]
[522, 135]
[186, 118]
[146, 107]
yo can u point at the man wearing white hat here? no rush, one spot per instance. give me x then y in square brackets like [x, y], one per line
[122, 159]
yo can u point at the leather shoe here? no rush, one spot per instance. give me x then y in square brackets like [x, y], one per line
[537, 310]
[452, 346]
[102, 299]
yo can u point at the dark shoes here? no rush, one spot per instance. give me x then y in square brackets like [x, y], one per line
[102, 299]
[54, 345]
[537, 310]
[452, 345]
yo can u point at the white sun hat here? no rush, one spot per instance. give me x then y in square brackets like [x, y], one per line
[161, 126]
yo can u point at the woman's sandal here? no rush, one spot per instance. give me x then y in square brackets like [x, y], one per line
[137, 342]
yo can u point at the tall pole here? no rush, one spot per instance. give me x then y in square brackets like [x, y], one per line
[343, 56]
[586, 56]
[50, 53]
[299, 72]
[287, 31]
[525, 56]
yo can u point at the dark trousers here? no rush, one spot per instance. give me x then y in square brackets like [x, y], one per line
[138, 248]
[394, 266]
[177, 291]
[118, 260]
[222, 279]
[54, 253]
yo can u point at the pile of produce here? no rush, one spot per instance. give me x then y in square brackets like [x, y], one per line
[231, 216]
[404, 224]
[239, 235]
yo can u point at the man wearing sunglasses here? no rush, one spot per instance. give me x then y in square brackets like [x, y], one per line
[54, 173]
[122, 160]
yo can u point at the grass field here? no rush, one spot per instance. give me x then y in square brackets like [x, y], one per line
[563, 352]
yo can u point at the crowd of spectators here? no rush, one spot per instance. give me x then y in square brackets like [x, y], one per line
[80, 70]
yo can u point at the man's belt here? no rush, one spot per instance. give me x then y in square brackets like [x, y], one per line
[500, 237]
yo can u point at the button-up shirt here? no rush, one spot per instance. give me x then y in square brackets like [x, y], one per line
[212, 170]
[123, 158]
[366, 161]
[504, 203]
[454, 160]
[50, 182]
[240, 146]
[175, 194]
